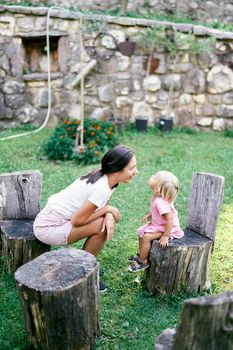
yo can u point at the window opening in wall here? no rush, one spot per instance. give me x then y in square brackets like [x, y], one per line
[35, 55]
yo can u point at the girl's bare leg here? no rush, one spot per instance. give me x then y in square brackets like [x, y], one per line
[145, 244]
[91, 231]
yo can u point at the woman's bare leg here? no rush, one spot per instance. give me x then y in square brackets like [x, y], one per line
[145, 244]
[92, 231]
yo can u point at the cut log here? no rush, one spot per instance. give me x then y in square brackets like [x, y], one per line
[59, 296]
[19, 244]
[20, 194]
[206, 323]
[184, 264]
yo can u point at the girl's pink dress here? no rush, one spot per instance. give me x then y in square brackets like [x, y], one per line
[160, 206]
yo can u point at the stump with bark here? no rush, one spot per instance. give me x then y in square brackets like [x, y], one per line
[59, 296]
[20, 194]
[206, 323]
[185, 263]
[19, 244]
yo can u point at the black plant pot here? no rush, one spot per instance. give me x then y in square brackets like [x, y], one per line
[165, 124]
[127, 47]
[141, 123]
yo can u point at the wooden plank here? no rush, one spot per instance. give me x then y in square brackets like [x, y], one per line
[205, 199]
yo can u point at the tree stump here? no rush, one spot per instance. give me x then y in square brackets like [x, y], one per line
[19, 244]
[59, 297]
[20, 194]
[185, 263]
[206, 323]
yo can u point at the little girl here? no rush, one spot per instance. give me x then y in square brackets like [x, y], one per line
[164, 222]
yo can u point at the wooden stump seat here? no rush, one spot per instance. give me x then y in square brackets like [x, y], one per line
[185, 263]
[206, 323]
[59, 296]
[19, 244]
[20, 194]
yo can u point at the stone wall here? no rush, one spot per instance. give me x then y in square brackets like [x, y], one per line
[210, 11]
[200, 89]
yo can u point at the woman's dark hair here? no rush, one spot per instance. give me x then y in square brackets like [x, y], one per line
[114, 160]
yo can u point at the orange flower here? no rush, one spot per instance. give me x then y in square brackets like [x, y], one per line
[68, 129]
[92, 133]
[110, 128]
[98, 127]
[90, 146]
[69, 122]
[81, 150]
[84, 130]
[97, 138]
[97, 153]
[77, 122]
[108, 132]
[73, 135]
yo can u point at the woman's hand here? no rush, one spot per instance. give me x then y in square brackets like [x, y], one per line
[115, 212]
[109, 225]
[163, 242]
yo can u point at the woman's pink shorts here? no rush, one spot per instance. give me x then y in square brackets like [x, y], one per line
[50, 227]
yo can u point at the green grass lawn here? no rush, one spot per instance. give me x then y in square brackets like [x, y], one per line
[130, 317]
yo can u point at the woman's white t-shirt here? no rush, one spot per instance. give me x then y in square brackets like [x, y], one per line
[70, 199]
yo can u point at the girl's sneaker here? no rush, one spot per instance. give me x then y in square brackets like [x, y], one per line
[138, 265]
[134, 257]
[102, 287]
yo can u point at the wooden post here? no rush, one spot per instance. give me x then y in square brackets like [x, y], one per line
[59, 296]
[206, 323]
[20, 194]
[185, 263]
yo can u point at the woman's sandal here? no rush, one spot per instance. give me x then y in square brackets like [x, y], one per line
[134, 257]
[139, 267]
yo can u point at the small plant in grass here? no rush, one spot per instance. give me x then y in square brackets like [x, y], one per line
[98, 137]
[228, 132]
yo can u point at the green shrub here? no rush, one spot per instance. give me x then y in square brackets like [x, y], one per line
[228, 132]
[98, 137]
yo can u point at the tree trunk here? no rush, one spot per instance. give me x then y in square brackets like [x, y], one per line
[59, 296]
[206, 323]
[19, 244]
[184, 264]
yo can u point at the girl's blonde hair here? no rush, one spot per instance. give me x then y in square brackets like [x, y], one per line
[167, 185]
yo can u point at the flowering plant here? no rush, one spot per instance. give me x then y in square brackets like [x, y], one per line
[98, 137]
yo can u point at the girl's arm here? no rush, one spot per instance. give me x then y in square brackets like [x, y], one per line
[167, 232]
[145, 218]
[88, 213]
